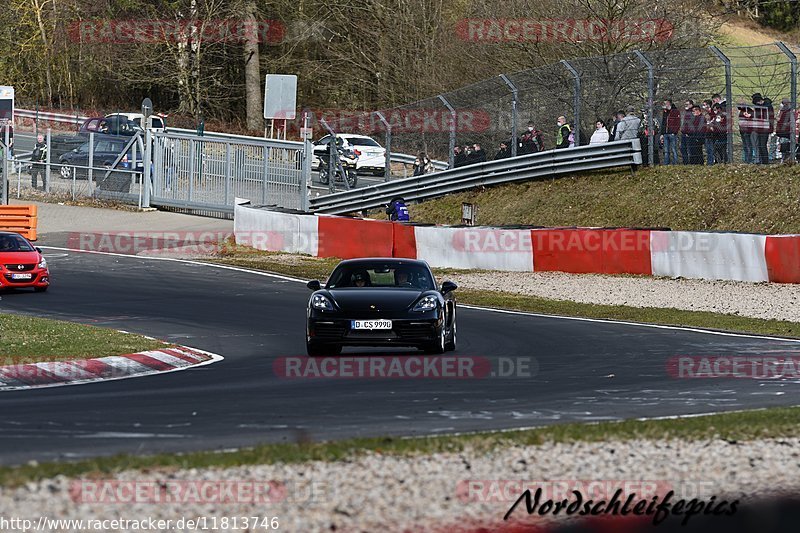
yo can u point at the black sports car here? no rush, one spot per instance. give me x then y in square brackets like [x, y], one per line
[381, 302]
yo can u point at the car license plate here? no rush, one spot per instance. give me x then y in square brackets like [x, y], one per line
[21, 276]
[371, 324]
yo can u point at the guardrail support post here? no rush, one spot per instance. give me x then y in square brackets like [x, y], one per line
[728, 99]
[576, 103]
[387, 171]
[793, 131]
[147, 163]
[452, 128]
[514, 99]
[91, 161]
[650, 97]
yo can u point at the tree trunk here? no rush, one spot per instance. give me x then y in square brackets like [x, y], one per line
[252, 71]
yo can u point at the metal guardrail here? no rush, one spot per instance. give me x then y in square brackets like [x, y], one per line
[408, 159]
[549, 163]
[51, 117]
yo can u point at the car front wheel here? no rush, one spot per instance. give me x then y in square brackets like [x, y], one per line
[439, 345]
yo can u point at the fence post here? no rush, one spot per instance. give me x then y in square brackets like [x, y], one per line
[47, 162]
[387, 172]
[650, 97]
[576, 104]
[4, 185]
[452, 128]
[728, 98]
[793, 96]
[514, 95]
[148, 166]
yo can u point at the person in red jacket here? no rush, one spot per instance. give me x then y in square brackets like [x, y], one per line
[783, 128]
[763, 125]
[670, 128]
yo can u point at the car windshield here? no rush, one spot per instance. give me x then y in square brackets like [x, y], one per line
[362, 141]
[388, 275]
[14, 243]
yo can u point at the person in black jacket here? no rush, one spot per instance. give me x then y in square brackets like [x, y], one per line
[503, 153]
[477, 155]
[38, 157]
[562, 134]
[459, 157]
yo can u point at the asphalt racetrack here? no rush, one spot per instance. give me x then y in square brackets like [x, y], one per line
[581, 370]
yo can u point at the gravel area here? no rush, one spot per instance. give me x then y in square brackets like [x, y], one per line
[757, 300]
[426, 493]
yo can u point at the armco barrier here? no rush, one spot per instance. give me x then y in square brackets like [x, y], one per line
[21, 219]
[703, 255]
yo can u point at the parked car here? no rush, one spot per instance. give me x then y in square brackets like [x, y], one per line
[156, 121]
[117, 125]
[371, 155]
[107, 149]
[21, 263]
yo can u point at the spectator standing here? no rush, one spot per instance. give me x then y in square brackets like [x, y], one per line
[423, 164]
[783, 127]
[696, 134]
[478, 155]
[616, 119]
[459, 157]
[38, 157]
[746, 131]
[530, 141]
[670, 127]
[562, 133]
[628, 127]
[763, 125]
[719, 133]
[686, 126]
[600, 134]
[708, 115]
[504, 152]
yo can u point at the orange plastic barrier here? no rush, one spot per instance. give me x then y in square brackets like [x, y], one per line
[20, 219]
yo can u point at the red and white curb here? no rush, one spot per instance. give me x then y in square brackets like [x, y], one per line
[37, 375]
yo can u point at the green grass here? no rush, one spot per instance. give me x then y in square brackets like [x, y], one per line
[747, 425]
[30, 339]
[729, 198]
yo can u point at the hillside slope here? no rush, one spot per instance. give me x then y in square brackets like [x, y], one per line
[743, 198]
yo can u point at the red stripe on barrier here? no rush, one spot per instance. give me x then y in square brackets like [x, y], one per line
[586, 251]
[404, 241]
[783, 258]
[94, 366]
[180, 355]
[150, 362]
[348, 238]
[29, 374]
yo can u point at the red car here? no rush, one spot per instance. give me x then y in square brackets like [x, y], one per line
[21, 263]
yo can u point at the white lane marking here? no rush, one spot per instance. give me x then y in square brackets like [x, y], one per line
[478, 308]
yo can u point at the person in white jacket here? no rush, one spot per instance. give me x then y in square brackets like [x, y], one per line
[600, 134]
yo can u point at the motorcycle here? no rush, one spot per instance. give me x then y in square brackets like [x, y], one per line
[348, 160]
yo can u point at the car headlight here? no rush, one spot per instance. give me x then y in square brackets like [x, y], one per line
[319, 301]
[43, 263]
[427, 303]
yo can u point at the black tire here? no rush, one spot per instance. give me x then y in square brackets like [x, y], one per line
[66, 172]
[323, 176]
[438, 346]
[315, 349]
[41, 289]
[352, 178]
[450, 345]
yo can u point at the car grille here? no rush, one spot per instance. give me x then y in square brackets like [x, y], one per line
[329, 331]
[14, 267]
[405, 330]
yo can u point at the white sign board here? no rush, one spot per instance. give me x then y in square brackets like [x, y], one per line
[6, 104]
[280, 96]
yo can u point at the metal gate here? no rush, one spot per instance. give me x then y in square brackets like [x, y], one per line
[207, 172]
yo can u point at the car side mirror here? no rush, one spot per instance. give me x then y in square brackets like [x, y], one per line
[39, 250]
[314, 285]
[448, 286]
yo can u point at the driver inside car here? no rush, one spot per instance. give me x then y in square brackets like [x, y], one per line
[360, 279]
[402, 278]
